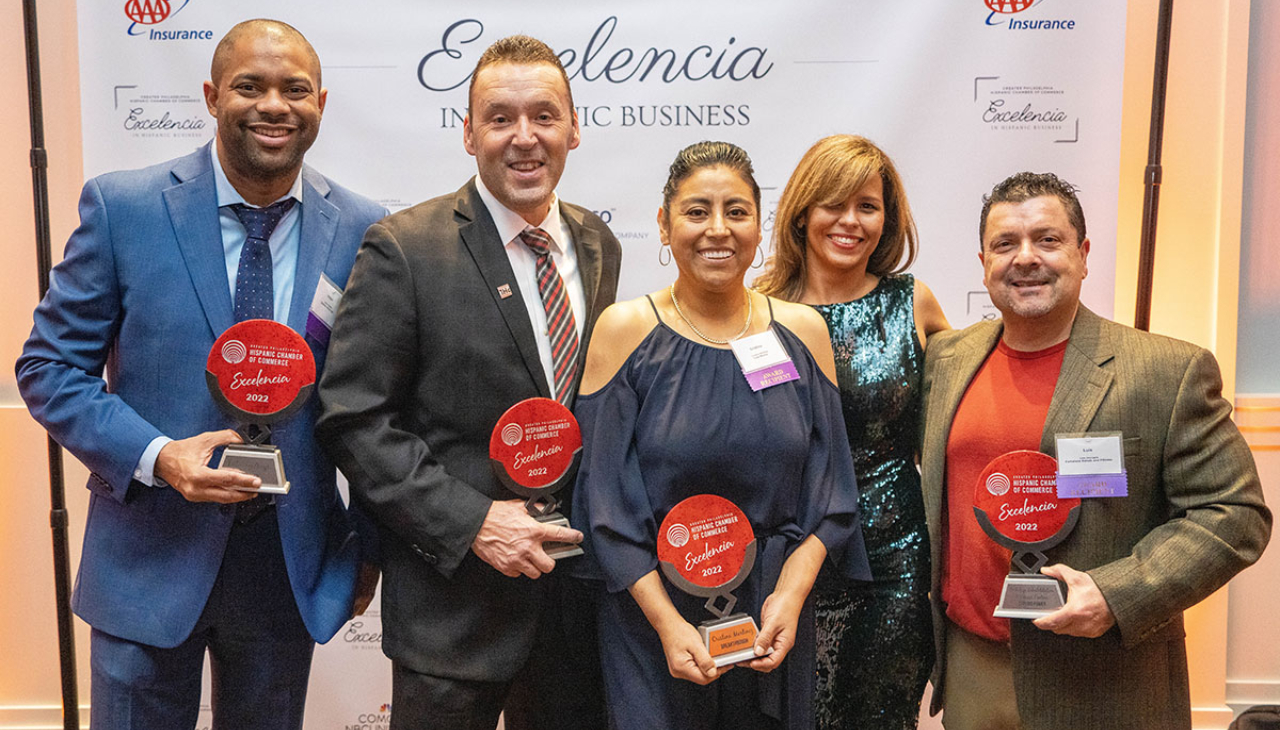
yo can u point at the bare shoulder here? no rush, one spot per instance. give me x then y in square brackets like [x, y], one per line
[801, 319]
[811, 328]
[619, 330]
[928, 312]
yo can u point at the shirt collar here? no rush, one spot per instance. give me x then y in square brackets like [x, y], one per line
[228, 195]
[511, 223]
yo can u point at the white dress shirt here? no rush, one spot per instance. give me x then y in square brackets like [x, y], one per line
[524, 264]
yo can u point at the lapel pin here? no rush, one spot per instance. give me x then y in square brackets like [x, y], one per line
[504, 291]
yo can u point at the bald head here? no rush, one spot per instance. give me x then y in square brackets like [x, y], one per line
[260, 27]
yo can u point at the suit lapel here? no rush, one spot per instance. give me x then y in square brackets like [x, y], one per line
[1083, 382]
[193, 212]
[319, 226]
[480, 236]
[587, 242]
[953, 373]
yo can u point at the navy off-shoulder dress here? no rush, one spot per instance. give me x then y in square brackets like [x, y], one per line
[679, 419]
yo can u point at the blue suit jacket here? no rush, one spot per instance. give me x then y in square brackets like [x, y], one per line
[140, 297]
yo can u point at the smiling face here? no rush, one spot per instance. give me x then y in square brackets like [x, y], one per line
[520, 129]
[268, 103]
[840, 237]
[713, 227]
[1033, 263]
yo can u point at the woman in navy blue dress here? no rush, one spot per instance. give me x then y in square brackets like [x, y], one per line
[667, 413]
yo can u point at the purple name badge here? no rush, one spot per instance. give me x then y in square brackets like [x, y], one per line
[324, 307]
[317, 329]
[1091, 465]
[1093, 485]
[773, 375]
[764, 361]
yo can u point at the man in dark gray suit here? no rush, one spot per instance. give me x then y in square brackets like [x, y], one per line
[1192, 515]
[456, 311]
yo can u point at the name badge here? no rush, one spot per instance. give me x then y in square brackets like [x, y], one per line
[764, 361]
[1091, 465]
[324, 308]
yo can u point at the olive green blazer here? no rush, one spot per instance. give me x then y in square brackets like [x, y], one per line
[1194, 517]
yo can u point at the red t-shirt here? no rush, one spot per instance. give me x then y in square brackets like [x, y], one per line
[1003, 410]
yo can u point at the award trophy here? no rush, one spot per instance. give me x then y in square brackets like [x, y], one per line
[259, 372]
[1017, 505]
[534, 450]
[706, 548]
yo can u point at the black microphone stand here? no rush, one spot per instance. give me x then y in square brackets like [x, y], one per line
[57, 492]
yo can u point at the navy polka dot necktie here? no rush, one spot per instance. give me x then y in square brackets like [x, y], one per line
[254, 288]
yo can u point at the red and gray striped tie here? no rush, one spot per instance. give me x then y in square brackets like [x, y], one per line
[561, 327]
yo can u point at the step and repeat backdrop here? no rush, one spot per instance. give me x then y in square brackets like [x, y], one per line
[961, 93]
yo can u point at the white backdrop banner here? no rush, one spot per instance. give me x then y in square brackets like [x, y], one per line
[961, 93]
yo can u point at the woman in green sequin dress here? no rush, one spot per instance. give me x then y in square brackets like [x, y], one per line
[843, 237]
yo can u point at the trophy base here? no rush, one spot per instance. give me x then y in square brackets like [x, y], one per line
[558, 550]
[730, 640]
[263, 462]
[1029, 596]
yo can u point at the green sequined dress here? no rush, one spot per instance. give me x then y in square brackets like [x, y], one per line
[875, 639]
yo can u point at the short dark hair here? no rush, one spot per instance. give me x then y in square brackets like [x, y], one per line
[708, 154]
[1027, 185]
[261, 25]
[522, 50]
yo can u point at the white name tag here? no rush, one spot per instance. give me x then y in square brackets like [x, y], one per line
[764, 361]
[1091, 465]
[1101, 453]
[324, 308]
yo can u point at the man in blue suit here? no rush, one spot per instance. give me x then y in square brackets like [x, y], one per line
[176, 561]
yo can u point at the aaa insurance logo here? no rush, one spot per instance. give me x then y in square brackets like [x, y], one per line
[147, 14]
[1007, 13]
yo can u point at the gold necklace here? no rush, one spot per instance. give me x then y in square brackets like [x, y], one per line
[745, 326]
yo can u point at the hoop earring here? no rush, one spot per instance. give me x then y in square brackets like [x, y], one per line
[760, 254]
[664, 248]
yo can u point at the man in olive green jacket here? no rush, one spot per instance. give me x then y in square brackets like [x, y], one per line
[1114, 655]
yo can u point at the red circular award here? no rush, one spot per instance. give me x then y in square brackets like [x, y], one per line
[1016, 503]
[534, 451]
[1018, 494]
[534, 446]
[260, 372]
[705, 540]
[706, 547]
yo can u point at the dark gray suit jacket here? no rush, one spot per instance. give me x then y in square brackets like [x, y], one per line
[425, 358]
[1194, 517]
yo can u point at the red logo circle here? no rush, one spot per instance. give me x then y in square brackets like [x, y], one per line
[1008, 7]
[1018, 491]
[147, 12]
[705, 539]
[535, 442]
[261, 366]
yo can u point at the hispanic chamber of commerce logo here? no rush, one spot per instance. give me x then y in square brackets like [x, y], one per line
[1007, 106]
[1009, 15]
[233, 351]
[378, 720]
[997, 484]
[678, 535]
[512, 434]
[144, 113]
[153, 20]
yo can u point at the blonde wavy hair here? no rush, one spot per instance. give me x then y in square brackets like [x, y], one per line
[832, 170]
